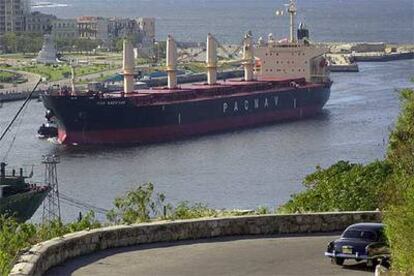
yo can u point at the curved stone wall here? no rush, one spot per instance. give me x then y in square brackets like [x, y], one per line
[43, 256]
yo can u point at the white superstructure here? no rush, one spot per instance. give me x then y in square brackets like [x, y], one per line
[290, 58]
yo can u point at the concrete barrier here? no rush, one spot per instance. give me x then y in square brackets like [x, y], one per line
[46, 255]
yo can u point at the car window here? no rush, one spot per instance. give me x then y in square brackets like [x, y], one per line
[360, 234]
[382, 236]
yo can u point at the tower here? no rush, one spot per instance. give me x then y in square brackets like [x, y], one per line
[51, 206]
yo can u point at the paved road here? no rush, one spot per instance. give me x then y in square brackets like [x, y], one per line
[224, 256]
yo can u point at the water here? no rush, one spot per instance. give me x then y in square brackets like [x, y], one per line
[242, 169]
[191, 20]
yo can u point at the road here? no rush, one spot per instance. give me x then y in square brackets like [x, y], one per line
[223, 256]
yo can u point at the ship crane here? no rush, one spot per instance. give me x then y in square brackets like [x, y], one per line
[185, 55]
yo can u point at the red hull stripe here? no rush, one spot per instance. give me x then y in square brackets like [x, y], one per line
[167, 133]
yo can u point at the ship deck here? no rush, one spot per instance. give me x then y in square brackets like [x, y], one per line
[202, 91]
[226, 85]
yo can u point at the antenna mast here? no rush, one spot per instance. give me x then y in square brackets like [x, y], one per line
[292, 12]
[51, 206]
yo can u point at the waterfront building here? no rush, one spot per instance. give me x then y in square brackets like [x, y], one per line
[147, 25]
[65, 29]
[38, 22]
[92, 27]
[147, 39]
[13, 15]
[123, 27]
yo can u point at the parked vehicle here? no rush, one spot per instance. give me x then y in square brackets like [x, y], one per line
[360, 242]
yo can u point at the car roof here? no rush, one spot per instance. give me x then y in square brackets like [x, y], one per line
[367, 226]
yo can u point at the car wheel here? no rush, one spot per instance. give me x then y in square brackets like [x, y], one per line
[339, 261]
[373, 263]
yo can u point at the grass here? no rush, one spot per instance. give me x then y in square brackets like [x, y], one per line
[7, 77]
[10, 77]
[59, 72]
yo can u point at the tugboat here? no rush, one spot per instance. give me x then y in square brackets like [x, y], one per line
[18, 198]
[283, 80]
[48, 130]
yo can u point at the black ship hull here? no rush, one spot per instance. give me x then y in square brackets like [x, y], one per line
[121, 120]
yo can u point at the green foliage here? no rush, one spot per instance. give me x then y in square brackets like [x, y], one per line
[401, 145]
[86, 45]
[262, 210]
[7, 76]
[15, 237]
[58, 72]
[10, 77]
[143, 205]
[342, 187]
[138, 205]
[22, 42]
[186, 211]
[399, 217]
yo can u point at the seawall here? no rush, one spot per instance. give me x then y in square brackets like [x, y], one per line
[46, 255]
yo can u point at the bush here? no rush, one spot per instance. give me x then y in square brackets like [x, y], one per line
[15, 237]
[138, 205]
[399, 220]
[342, 187]
[186, 211]
[399, 217]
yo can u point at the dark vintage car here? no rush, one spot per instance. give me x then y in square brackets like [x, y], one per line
[362, 241]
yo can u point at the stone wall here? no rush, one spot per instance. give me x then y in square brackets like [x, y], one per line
[43, 256]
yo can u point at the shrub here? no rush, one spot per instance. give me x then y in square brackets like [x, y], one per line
[186, 211]
[399, 217]
[399, 220]
[15, 237]
[138, 205]
[342, 187]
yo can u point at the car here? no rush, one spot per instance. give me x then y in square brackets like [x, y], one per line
[360, 242]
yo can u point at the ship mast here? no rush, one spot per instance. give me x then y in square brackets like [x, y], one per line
[292, 12]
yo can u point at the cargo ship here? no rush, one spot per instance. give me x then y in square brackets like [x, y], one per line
[283, 80]
[18, 198]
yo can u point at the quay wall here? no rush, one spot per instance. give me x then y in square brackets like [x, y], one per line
[17, 96]
[41, 257]
[383, 57]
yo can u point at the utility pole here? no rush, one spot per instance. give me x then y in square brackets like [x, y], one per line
[51, 206]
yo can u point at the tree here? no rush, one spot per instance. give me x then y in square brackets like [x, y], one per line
[10, 42]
